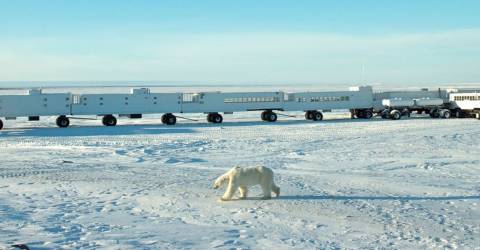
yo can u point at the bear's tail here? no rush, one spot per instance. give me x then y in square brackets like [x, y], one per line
[276, 189]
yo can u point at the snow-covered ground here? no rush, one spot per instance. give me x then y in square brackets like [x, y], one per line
[413, 183]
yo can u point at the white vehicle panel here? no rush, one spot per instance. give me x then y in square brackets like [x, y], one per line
[35, 103]
[397, 103]
[136, 103]
[329, 100]
[210, 102]
[465, 101]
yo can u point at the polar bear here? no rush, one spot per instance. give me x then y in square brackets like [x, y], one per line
[242, 178]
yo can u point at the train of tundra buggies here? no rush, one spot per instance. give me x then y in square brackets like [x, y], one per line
[362, 102]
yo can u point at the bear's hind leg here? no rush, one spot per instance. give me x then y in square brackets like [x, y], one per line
[275, 189]
[243, 192]
[267, 191]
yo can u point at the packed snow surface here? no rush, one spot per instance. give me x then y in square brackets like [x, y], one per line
[412, 183]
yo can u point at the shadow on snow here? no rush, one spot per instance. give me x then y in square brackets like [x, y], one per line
[381, 198]
[152, 129]
[93, 131]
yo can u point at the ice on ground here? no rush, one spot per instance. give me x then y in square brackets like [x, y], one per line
[412, 183]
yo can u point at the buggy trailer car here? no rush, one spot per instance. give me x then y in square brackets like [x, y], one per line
[361, 101]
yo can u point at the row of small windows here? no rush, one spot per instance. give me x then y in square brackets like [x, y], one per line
[467, 98]
[324, 99]
[251, 99]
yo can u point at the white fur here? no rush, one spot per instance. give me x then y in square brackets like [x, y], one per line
[243, 178]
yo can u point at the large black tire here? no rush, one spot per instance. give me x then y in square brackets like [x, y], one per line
[209, 117]
[170, 119]
[309, 115]
[217, 118]
[457, 113]
[385, 114]
[406, 112]
[271, 117]
[1, 124]
[109, 120]
[317, 116]
[445, 114]
[63, 121]
[395, 115]
[360, 114]
[435, 113]
[264, 115]
[367, 114]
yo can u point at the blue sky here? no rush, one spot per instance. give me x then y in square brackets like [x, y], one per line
[348, 42]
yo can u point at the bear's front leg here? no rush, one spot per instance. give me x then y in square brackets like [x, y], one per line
[229, 192]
